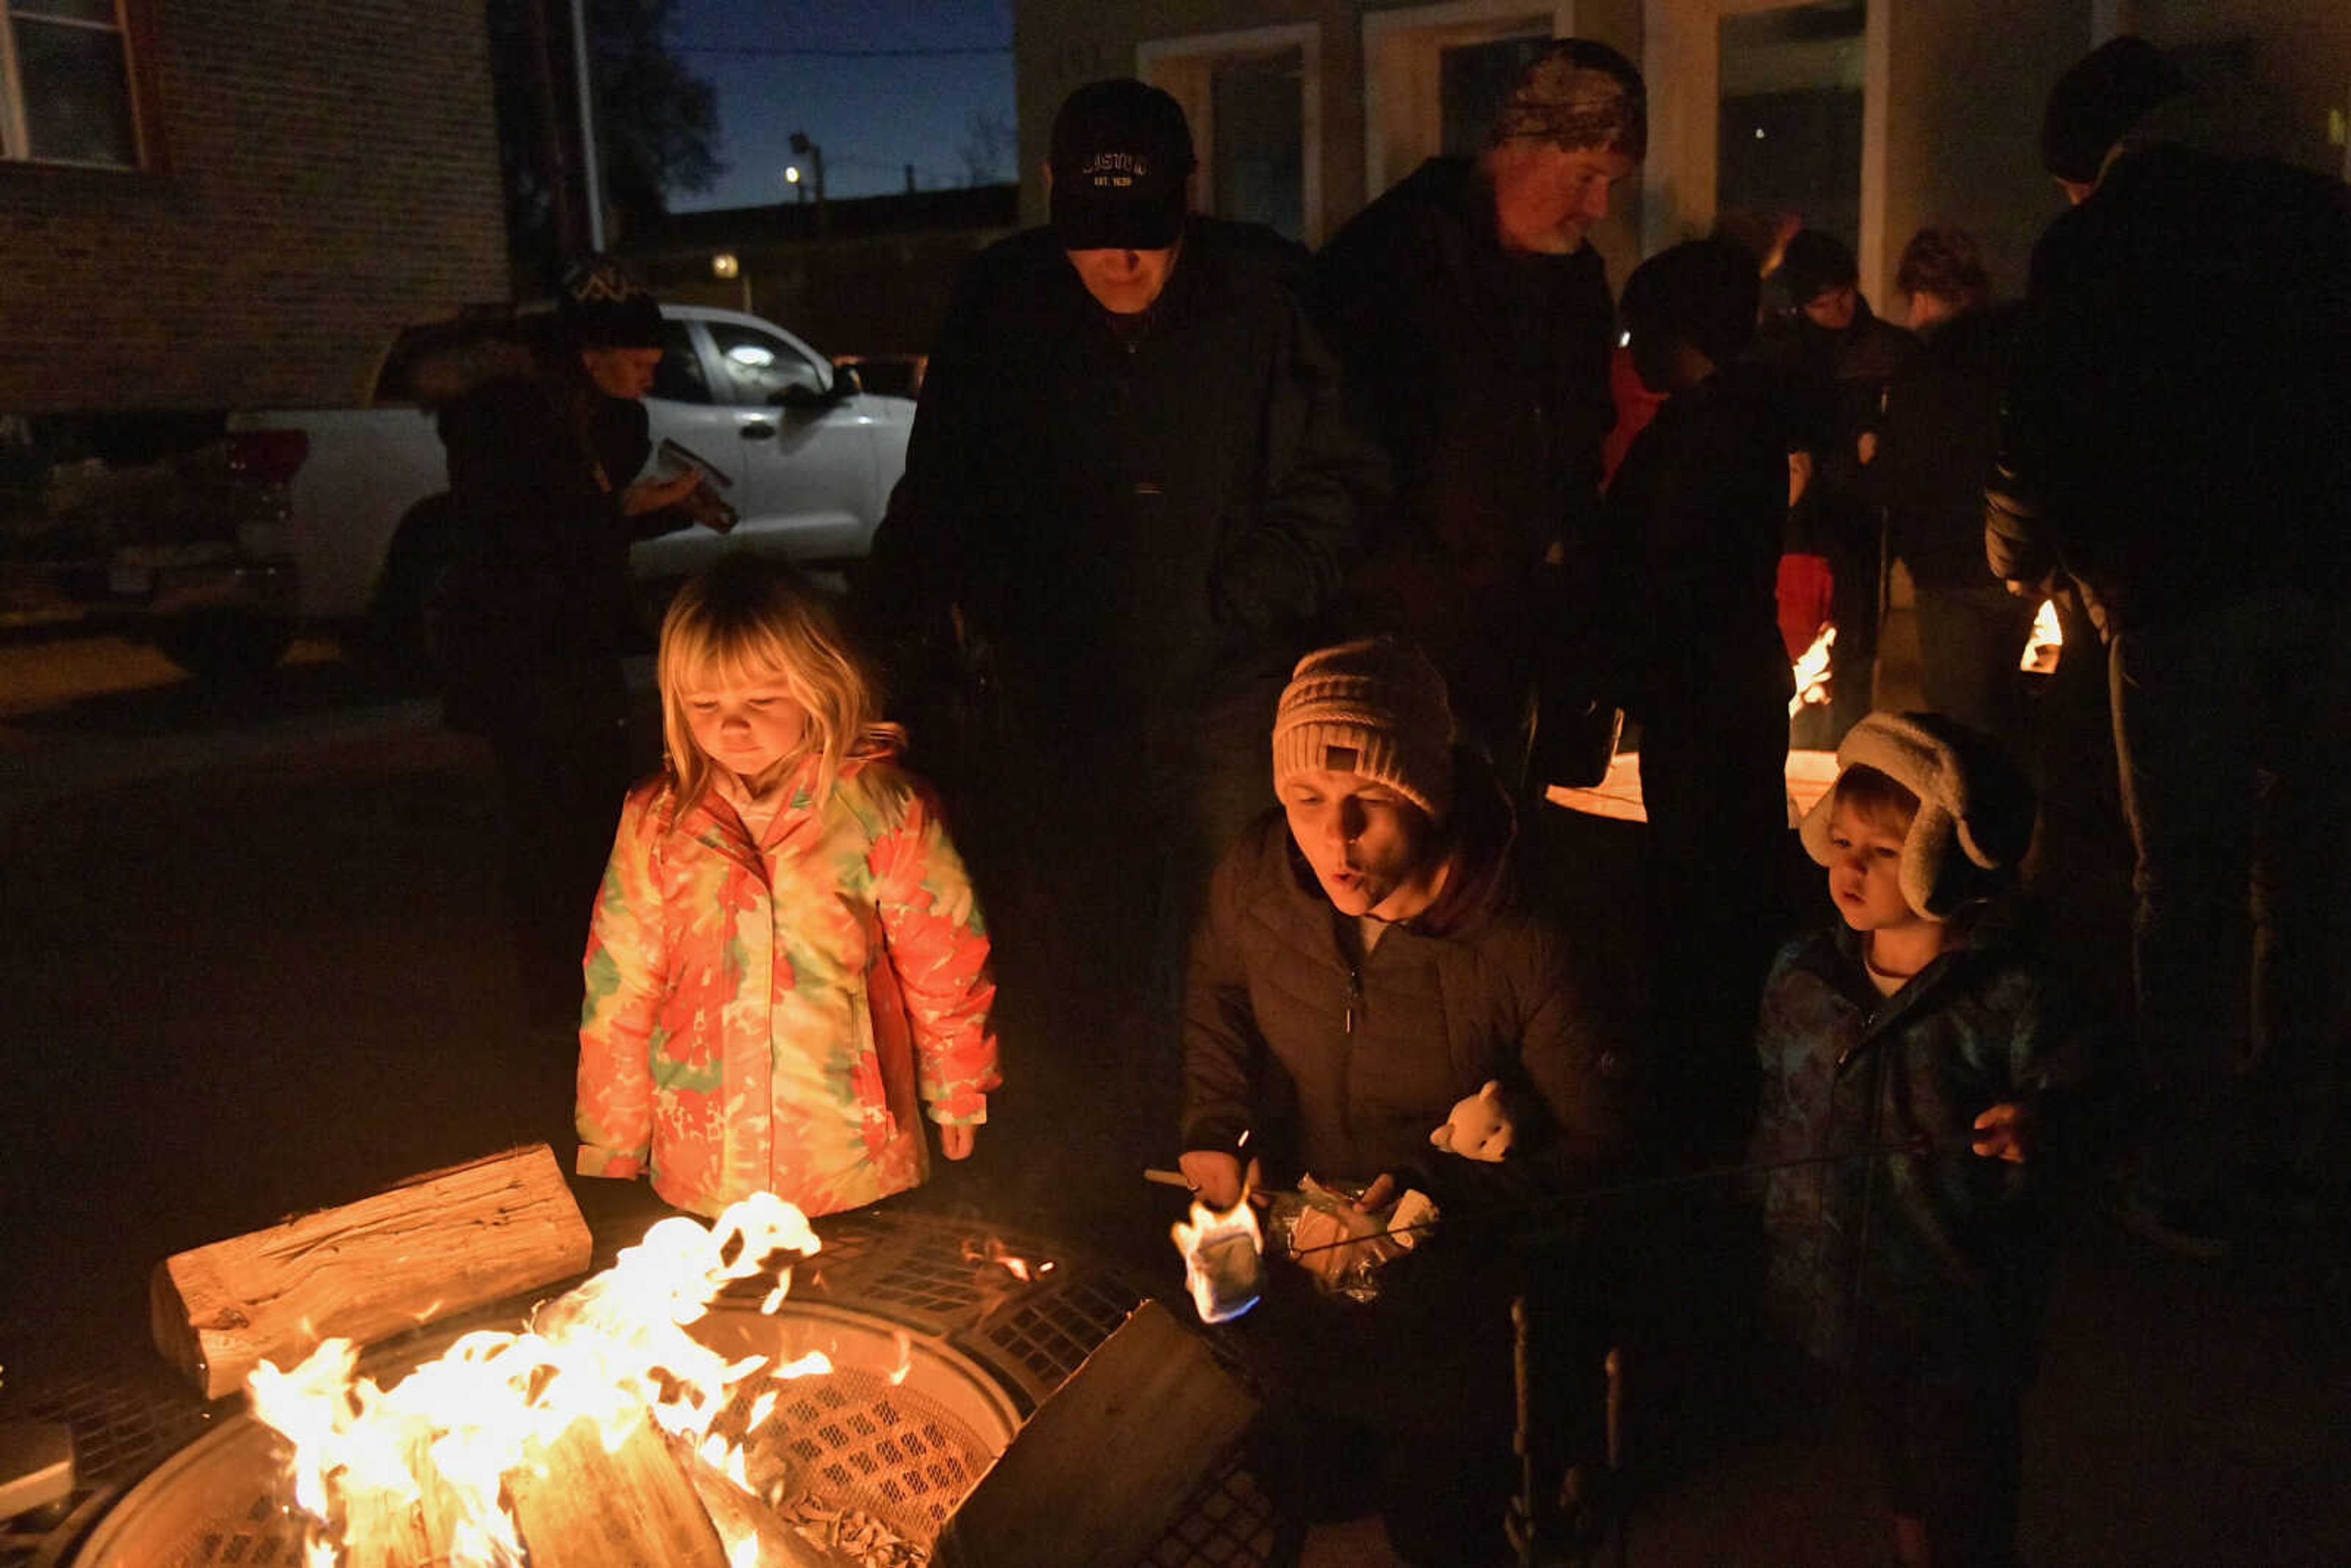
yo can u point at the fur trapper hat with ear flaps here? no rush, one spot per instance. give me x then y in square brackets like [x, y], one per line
[1975, 809]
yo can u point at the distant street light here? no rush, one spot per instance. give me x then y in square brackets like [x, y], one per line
[802, 145]
[725, 263]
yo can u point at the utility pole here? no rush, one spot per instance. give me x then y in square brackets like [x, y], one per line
[554, 165]
[592, 181]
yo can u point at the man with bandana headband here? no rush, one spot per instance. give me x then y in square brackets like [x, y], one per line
[1475, 321]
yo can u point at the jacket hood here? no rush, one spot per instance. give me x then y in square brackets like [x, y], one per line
[446, 366]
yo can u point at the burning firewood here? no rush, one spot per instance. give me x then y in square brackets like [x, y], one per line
[435, 1245]
[580, 1506]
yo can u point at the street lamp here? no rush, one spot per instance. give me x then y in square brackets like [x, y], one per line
[809, 149]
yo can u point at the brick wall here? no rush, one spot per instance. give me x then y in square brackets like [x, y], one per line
[329, 171]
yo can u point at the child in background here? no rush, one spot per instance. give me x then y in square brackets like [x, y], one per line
[1925, 1059]
[787, 963]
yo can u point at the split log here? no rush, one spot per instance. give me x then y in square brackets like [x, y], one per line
[1098, 1473]
[578, 1505]
[434, 1245]
[403, 1527]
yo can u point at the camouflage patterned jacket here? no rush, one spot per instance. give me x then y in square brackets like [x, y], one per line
[1931, 1262]
[768, 1016]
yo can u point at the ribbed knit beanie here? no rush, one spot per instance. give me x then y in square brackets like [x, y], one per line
[1375, 707]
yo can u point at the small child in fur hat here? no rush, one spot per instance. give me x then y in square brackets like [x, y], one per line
[1935, 1076]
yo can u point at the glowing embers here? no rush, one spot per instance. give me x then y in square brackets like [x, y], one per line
[1224, 1254]
[602, 1419]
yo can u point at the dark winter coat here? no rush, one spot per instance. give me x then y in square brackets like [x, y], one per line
[1133, 514]
[1485, 376]
[539, 593]
[1933, 1263]
[1340, 1063]
[1838, 390]
[2175, 426]
[1698, 507]
[1937, 441]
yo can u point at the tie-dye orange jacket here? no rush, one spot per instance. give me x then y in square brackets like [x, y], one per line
[766, 1017]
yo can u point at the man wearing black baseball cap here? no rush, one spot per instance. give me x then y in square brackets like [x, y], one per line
[1130, 490]
[1120, 174]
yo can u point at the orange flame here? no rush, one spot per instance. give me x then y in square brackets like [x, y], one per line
[2044, 643]
[1812, 672]
[614, 1350]
[1223, 1254]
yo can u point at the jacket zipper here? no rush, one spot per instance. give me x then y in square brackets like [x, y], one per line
[1355, 993]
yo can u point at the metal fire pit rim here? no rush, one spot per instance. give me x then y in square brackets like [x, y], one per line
[128, 1518]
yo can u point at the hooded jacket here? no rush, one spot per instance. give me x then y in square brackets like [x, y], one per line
[1933, 1262]
[775, 1016]
[540, 594]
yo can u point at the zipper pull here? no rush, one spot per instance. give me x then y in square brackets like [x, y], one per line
[1354, 994]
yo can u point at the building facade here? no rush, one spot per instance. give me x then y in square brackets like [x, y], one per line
[1870, 117]
[220, 203]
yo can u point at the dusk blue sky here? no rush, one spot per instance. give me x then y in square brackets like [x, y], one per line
[872, 115]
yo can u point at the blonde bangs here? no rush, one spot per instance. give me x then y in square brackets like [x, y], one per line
[743, 622]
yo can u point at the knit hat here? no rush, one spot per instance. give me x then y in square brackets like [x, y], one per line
[1971, 801]
[1579, 92]
[1377, 707]
[1815, 262]
[1121, 150]
[1702, 291]
[600, 306]
[2095, 103]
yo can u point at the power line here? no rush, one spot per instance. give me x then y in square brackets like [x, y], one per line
[772, 50]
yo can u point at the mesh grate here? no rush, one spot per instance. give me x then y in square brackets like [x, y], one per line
[1045, 1337]
[1228, 1522]
[854, 1441]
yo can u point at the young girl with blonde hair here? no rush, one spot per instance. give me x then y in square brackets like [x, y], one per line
[787, 963]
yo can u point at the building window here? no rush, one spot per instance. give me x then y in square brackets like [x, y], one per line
[1790, 100]
[66, 84]
[1434, 75]
[1254, 99]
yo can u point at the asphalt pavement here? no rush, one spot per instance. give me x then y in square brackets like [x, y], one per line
[254, 966]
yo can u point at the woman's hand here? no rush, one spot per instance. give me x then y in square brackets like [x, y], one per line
[653, 495]
[2004, 1132]
[956, 1141]
[1329, 1244]
[1218, 1178]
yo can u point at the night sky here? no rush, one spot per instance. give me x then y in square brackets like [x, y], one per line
[871, 116]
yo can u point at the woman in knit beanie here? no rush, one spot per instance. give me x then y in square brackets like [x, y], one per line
[1365, 963]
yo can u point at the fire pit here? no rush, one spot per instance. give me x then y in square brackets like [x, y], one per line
[941, 1353]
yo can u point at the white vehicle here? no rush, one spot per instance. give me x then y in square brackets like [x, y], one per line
[348, 525]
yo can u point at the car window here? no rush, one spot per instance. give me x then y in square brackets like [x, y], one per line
[763, 365]
[680, 378]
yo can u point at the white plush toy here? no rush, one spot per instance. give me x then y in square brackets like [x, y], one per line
[1480, 1127]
